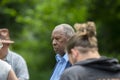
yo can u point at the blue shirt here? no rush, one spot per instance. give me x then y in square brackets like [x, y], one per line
[60, 66]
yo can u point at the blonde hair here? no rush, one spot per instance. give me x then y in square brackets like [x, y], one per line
[84, 37]
[87, 30]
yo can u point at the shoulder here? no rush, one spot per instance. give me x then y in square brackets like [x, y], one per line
[72, 73]
[73, 69]
[4, 65]
[4, 70]
[15, 56]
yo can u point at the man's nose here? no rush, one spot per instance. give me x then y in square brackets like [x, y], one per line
[54, 42]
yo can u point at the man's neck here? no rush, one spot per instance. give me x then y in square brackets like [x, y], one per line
[89, 56]
[3, 54]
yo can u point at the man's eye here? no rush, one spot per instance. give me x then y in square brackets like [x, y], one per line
[57, 38]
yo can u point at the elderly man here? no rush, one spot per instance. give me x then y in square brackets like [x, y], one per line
[15, 60]
[60, 35]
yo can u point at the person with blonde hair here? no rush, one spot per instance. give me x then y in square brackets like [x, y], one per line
[87, 64]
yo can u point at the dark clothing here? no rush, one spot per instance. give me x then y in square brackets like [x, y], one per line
[68, 65]
[93, 69]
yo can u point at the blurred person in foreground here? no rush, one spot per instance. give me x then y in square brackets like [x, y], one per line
[15, 60]
[87, 64]
[6, 72]
[60, 35]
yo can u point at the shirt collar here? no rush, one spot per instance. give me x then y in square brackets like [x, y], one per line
[60, 58]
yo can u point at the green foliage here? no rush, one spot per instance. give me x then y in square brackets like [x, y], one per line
[31, 22]
[106, 13]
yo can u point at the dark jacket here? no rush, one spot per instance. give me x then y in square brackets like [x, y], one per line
[93, 69]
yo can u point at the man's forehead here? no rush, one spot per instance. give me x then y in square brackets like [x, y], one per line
[58, 33]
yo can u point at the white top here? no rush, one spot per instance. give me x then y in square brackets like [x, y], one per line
[4, 70]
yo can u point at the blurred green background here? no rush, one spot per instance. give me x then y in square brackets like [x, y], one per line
[31, 22]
